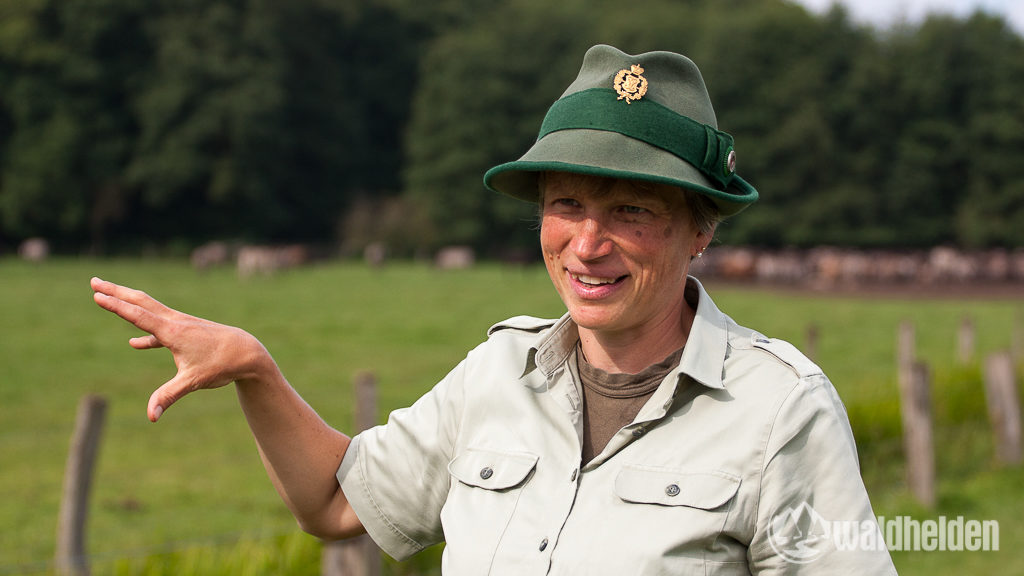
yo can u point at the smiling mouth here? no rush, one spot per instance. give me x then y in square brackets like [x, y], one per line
[594, 280]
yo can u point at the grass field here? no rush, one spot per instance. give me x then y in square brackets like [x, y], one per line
[193, 482]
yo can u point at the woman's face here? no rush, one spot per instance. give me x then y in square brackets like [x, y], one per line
[617, 252]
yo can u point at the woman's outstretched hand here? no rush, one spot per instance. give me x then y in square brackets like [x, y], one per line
[300, 451]
[207, 354]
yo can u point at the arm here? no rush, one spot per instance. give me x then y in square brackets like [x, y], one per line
[299, 450]
[813, 499]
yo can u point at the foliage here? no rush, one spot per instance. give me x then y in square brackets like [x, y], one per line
[294, 554]
[126, 124]
[234, 118]
[476, 108]
[853, 137]
[71, 70]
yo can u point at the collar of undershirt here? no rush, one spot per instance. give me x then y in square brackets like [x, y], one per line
[617, 385]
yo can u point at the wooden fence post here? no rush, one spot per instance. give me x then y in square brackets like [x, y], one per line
[965, 341]
[357, 556]
[1017, 336]
[1003, 407]
[916, 411]
[905, 352]
[811, 349]
[70, 557]
[918, 443]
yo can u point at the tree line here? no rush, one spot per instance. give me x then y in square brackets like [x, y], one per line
[167, 124]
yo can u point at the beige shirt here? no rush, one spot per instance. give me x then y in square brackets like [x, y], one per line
[741, 462]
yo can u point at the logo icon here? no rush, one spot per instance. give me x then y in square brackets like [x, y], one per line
[800, 535]
[630, 84]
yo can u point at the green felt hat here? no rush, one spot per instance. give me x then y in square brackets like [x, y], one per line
[645, 117]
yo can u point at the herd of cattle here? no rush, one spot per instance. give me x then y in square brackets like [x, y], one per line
[830, 267]
[823, 267]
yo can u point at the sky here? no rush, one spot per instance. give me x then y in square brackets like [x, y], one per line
[883, 13]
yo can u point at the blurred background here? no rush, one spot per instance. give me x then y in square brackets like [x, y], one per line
[133, 127]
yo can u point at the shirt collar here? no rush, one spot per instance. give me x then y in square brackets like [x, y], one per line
[708, 342]
[554, 347]
[703, 356]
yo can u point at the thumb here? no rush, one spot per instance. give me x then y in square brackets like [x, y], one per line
[164, 396]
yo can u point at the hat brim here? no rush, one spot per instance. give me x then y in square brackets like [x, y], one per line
[613, 155]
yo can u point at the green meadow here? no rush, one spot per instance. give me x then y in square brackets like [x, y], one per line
[189, 496]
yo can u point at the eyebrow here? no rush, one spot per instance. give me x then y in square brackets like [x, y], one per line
[635, 190]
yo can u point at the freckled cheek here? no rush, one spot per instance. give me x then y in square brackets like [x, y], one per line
[553, 264]
[550, 250]
[547, 248]
[554, 237]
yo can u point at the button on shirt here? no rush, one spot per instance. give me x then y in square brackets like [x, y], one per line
[743, 452]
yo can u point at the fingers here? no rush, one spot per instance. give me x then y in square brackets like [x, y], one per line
[134, 306]
[131, 295]
[134, 314]
[166, 328]
[207, 354]
[147, 342]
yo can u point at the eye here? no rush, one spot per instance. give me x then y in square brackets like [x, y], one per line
[634, 210]
[564, 203]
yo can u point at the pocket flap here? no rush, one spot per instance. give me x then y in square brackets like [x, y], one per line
[491, 469]
[668, 487]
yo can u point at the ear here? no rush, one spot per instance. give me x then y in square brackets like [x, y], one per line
[702, 241]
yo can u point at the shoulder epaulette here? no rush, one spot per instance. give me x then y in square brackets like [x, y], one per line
[522, 323]
[787, 354]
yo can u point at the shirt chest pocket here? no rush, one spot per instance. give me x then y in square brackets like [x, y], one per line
[667, 487]
[685, 510]
[491, 469]
[485, 490]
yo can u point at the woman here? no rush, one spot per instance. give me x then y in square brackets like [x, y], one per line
[644, 432]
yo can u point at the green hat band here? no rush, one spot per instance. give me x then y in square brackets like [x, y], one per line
[704, 147]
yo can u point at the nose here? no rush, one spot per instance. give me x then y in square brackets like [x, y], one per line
[590, 240]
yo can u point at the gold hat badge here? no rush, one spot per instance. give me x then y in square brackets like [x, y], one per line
[630, 84]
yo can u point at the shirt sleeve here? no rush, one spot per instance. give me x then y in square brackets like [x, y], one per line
[813, 515]
[395, 476]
